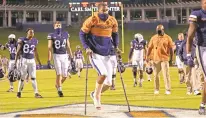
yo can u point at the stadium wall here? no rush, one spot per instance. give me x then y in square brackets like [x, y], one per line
[149, 25]
[37, 27]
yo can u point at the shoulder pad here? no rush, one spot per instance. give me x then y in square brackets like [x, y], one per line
[50, 36]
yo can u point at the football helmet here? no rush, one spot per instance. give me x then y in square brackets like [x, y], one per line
[120, 65]
[14, 75]
[138, 37]
[149, 70]
[73, 69]
[11, 36]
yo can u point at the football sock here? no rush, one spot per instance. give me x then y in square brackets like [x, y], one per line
[21, 84]
[59, 88]
[34, 85]
[11, 85]
[135, 79]
[79, 73]
[135, 76]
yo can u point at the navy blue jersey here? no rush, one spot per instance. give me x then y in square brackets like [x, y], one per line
[28, 47]
[12, 49]
[178, 44]
[182, 53]
[59, 42]
[78, 54]
[199, 17]
[138, 45]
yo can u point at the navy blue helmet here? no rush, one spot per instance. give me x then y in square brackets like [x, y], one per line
[14, 75]
[73, 69]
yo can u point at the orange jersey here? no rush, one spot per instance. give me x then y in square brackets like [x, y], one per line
[161, 46]
[151, 55]
[98, 27]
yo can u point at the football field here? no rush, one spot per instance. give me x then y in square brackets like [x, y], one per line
[74, 88]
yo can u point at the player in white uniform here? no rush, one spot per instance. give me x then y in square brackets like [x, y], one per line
[27, 46]
[11, 45]
[59, 42]
[79, 59]
[136, 57]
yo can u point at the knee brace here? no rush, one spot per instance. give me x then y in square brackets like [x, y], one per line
[33, 78]
[101, 79]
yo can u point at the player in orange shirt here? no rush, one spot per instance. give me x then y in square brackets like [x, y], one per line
[162, 45]
[99, 34]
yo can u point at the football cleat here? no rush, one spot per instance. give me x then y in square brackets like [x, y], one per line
[202, 111]
[37, 95]
[149, 79]
[97, 104]
[167, 92]
[196, 92]
[10, 90]
[60, 93]
[112, 87]
[156, 92]
[19, 95]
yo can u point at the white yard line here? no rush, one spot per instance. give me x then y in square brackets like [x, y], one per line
[117, 111]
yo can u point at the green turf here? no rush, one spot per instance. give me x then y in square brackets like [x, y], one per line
[74, 93]
[74, 39]
[74, 88]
